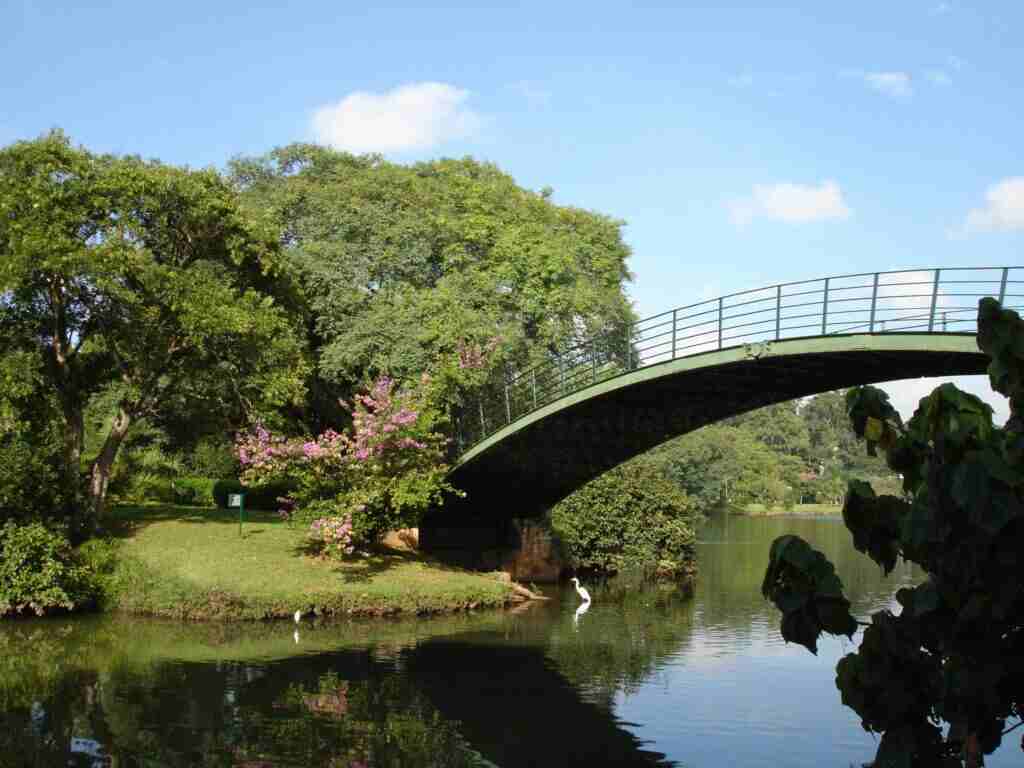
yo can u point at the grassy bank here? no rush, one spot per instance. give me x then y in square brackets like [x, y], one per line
[190, 563]
[756, 510]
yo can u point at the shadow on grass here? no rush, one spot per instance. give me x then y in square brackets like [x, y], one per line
[126, 521]
[360, 569]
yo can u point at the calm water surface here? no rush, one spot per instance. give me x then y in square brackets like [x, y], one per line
[645, 677]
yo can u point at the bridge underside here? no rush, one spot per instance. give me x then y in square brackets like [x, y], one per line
[525, 468]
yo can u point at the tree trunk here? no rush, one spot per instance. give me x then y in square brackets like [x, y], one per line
[74, 439]
[102, 467]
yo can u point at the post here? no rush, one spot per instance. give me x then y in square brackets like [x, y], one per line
[508, 407]
[1002, 285]
[593, 359]
[238, 500]
[944, 322]
[720, 300]
[824, 310]
[874, 302]
[935, 296]
[533, 382]
[674, 311]
[483, 423]
[778, 311]
[629, 350]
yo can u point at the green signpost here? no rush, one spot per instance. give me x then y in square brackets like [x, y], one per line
[238, 500]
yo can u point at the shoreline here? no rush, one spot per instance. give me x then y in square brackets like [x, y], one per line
[797, 510]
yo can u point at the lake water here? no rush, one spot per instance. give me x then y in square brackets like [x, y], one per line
[644, 677]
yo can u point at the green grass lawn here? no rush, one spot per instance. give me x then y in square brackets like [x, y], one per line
[190, 562]
[798, 509]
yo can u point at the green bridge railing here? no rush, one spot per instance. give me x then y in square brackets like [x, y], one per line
[937, 300]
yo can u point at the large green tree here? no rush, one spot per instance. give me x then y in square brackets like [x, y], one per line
[143, 279]
[720, 464]
[952, 654]
[446, 266]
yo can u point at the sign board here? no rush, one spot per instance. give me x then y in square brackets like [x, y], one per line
[234, 500]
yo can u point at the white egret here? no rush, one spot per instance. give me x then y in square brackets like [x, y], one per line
[581, 591]
[584, 607]
[298, 616]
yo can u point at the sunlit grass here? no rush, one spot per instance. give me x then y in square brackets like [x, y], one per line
[193, 563]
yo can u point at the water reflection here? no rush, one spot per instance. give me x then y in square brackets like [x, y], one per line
[641, 676]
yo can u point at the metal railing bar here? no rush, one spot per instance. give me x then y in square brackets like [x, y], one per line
[653, 336]
[739, 315]
[800, 317]
[713, 310]
[752, 322]
[806, 293]
[648, 348]
[739, 304]
[713, 321]
[803, 304]
[657, 325]
[798, 327]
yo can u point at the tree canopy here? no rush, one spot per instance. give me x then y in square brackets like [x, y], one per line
[125, 275]
[446, 266]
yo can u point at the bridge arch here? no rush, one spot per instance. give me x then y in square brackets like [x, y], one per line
[675, 373]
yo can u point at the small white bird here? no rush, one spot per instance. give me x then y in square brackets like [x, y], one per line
[298, 616]
[581, 591]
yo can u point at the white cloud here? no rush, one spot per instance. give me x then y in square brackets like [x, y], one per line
[412, 116]
[895, 84]
[938, 77]
[792, 203]
[1003, 210]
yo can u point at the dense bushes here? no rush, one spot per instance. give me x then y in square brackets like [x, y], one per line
[630, 517]
[256, 497]
[39, 571]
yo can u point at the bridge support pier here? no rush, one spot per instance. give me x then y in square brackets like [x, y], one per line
[523, 548]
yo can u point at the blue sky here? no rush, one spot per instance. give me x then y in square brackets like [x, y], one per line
[743, 144]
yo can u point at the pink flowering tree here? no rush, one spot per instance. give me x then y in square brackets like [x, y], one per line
[352, 486]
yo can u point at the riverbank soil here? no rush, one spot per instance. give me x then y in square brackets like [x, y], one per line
[193, 563]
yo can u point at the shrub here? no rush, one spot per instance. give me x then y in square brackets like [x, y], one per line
[383, 473]
[629, 517]
[100, 559]
[39, 571]
[28, 479]
[213, 458]
[194, 491]
[256, 497]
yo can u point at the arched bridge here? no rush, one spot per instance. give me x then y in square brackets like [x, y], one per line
[611, 397]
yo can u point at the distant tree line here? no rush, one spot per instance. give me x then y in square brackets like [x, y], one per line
[801, 451]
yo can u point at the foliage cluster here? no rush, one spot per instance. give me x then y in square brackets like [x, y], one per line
[447, 267]
[630, 517]
[952, 654]
[39, 571]
[778, 456]
[352, 486]
[144, 285]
